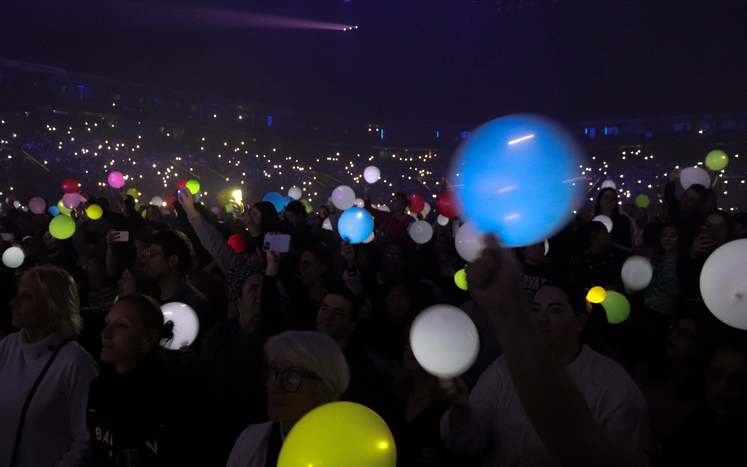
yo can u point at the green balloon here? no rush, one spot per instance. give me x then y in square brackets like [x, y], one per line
[716, 159]
[616, 306]
[309, 208]
[460, 279]
[63, 209]
[229, 207]
[642, 201]
[193, 186]
[62, 227]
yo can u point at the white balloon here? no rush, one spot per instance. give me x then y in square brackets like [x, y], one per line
[370, 238]
[16, 204]
[547, 247]
[636, 273]
[444, 340]
[693, 175]
[343, 197]
[723, 283]
[71, 200]
[186, 324]
[604, 220]
[442, 220]
[371, 174]
[609, 184]
[327, 224]
[413, 214]
[427, 208]
[359, 203]
[420, 232]
[197, 196]
[295, 193]
[468, 242]
[384, 208]
[13, 257]
[156, 201]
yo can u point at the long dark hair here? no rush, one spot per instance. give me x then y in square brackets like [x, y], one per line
[598, 209]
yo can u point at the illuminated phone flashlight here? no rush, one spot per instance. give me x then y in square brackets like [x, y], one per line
[237, 197]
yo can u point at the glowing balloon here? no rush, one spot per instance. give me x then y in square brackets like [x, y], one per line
[694, 175]
[156, 201]
[237, 242]
[228, 207]
[116, 180]
[609, 184]
[417, 202]
[295, 193]
[359, 203]
[604, 220]
[309, 208]
[642, 201]
[304, 202]
[444, 340]
[371, 174]
[723, 283]
[447, 205]
[94, 212]
[215, 210]
[460, 279]
[426, 209]
[133, 192]
[186, 324]
[547, 247]
[339, 434]
[636, 273]
[442, 220]
[62, 208]
[420, 232]
[526, 169]
[193, 186]
[355, 224]
[37, 205]
[181, 183]
[616, 307]
[370, 238]
[54, 210]
[276, 199]
[224, 197]
[16, 204]
[384, 208]
[343, 197]
[327, 224]
[716, 160]
[13, 257]
[62, 227]
[287, 200]
[70, 200]
[70, 186]
[596, 294]
[413, 214]
[468, 242]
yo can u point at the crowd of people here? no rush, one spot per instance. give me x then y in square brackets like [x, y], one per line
[84, 379]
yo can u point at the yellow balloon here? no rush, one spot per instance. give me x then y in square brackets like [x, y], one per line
[304, 202]
[133, 192]
[94, 211]
[460, 278]
[224, 197]
[596, 294]
[339, 434]
[63, 209]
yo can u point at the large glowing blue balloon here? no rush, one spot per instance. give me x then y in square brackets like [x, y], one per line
[276, 199]
[287, 200]
[356, 225]
[518, 176]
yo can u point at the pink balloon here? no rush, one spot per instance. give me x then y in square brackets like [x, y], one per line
[37, 205]
[71, 200]
[116, 180]
[215, 210]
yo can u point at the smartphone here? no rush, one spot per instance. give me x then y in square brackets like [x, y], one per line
[239, 200]
[278, 243]
[124, 236]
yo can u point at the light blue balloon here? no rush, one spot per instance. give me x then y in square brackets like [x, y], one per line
[276, 199]
[355, 224]
[53, 210]
[287, 200]
[518, 176]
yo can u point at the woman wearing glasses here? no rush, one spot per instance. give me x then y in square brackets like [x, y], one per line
[306, 369]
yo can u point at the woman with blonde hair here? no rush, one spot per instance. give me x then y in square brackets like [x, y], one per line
[45, 375]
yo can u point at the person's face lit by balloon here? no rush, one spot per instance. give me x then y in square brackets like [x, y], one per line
[334, 316]
[398, 203]
[683, 341]
[691, 201]
[310, 269]
[557, 322]
[292, 392]
[30, 307]
[533, 254]
[125, 338]
[126, 284]
[669, 240]
[717, 229]
[607, 202]
[398, 303]
[157, 265]
[726, 385]
[250, 301]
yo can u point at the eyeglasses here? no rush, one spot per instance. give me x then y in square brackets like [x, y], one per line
[307, 264]
[737, 381]
[151, 253]
[336, 313]
[290, 380]
[392, 255]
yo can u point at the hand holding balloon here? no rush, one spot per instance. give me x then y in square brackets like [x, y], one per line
[187, 199]
[495, 277]
[457, 394]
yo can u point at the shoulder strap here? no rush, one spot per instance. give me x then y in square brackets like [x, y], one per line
[28, 401]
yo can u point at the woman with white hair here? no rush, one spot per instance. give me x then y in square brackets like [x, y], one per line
[306, 369]
[45, 375]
